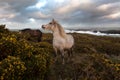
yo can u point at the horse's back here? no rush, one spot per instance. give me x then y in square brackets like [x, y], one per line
[70, 41]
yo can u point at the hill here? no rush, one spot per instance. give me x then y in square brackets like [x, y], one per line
[94, 58]
[111, 32]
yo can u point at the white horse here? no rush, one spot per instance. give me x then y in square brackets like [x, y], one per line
[61, 40]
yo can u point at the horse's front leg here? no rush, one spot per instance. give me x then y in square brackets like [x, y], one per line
[55, 53]
[62, 55]
[55, 49]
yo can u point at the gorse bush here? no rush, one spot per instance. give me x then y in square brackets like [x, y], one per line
[8, 45]
[3, 29]
[12, 68]
[21, 59]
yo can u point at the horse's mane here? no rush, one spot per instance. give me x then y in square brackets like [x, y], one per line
[61, 30]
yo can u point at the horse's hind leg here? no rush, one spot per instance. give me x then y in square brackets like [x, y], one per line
[70, 52]
[72, 49]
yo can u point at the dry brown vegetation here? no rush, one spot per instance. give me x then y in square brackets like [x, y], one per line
[94, 58]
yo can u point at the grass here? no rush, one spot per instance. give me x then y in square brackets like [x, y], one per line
[94, 58]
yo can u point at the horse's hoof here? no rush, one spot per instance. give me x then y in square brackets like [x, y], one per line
[63, 63]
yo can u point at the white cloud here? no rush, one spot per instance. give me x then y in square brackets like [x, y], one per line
[59, 1]
[113, 16]
[73, 5]
[38, 15]
[104, 7]
[109, 6]
[32, 20]
[112, 10]
[38, 5]
[6, 16]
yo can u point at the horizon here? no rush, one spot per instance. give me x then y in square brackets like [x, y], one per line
[71, 14]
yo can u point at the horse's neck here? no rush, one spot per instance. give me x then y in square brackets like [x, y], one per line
[56, 33]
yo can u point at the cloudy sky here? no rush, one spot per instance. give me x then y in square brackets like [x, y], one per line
[71, 14]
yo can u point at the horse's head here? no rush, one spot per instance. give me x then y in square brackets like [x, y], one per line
[50, 25]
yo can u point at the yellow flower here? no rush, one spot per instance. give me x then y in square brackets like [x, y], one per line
[18, 67]
[5, 70]
[9, 69]
[2, 78]
[11, 66]
[14, 63]
[106, 60]
[117, 68]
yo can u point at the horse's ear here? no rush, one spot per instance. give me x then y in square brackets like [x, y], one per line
[53, 20]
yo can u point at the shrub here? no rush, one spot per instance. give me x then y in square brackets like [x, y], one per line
[36, 56]
[3, 29]
[7, 46]
[12, 68]
[37, 67]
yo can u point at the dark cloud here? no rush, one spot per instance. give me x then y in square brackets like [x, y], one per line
[19, 5]
[17, 8]
[81, 13]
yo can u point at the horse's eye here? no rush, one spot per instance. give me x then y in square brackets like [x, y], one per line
[50, 23]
